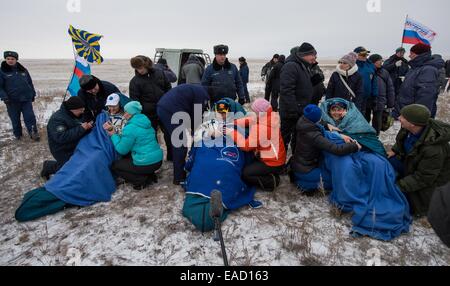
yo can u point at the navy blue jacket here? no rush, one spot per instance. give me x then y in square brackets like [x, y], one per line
[368, 73]
[168, 73]
[64, 132]
[15, 83]
[421, 83]
[396, 72]
[225, 79]
[95, 104]
[337, 89]
[386, 91]
[244, 73]
[183, 98]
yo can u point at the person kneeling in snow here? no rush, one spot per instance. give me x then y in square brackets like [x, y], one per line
[421, 156]
[215, 166]
[138, 138]
[266, 141]
[65, 129]
[311, 142]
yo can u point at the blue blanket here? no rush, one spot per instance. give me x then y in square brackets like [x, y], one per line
[86, 178]
[217, 164]
[364, 184]
[354, 125]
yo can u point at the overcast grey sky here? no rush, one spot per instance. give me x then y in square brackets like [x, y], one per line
[252, 28]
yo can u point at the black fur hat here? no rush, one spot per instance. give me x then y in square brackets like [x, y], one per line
[221, 50]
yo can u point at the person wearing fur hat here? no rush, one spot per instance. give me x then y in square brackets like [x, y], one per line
[273, 83]
[386, 93]
[265, 140]
[296, 90]
[18, 93]
[224, 76]
[65, 129]
[398, 67]
[94, 92]
[346, 82]
[311, 142]
[421, 156]
[142, 155]
[421, 83]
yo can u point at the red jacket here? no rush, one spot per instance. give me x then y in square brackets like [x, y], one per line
[264, 138]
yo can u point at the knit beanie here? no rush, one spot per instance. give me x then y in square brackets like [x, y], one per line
[261, 105]
[421, 49]
[416, 114]
[306, 49]
[349, 59]
[74, 102]
[313, 113]
[133, 107]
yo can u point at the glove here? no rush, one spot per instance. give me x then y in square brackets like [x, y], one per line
[241, 101]
[398, 63]
[317, 78]
[6, 101]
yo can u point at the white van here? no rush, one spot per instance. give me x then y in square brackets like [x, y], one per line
[176, 58]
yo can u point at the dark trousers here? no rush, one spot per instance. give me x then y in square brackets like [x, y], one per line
[260, 175]
[51, 167]
[246, 93]
[376, 116]
[271, 95]
[136, 175]
[15, 109]
[178, 153]
[289, 132]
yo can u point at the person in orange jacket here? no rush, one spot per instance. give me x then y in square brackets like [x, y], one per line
[266, 141]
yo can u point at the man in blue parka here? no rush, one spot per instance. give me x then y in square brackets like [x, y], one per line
[17, 92]
[368, 73]
[224, 76]
[421, 85]
[193, 100]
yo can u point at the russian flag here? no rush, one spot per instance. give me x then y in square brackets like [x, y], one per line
[416, 33]
[82, 67]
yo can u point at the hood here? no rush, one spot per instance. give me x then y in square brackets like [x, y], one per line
[304, 125]
[270, 119]
[141, 121]
[7, 68]
[361, 64]
[350, 72]
[218, 67]
[150, 72]
[439, 133]
[193, 60]
[295, 59]
[426, 59]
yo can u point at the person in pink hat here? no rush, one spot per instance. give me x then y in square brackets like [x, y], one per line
[266, 142]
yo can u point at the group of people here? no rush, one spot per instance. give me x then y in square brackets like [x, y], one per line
[249, 150]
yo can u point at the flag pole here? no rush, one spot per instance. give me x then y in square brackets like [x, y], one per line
[73, 72]
[404, 29]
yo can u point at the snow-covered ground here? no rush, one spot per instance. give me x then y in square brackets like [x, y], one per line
[147, 228]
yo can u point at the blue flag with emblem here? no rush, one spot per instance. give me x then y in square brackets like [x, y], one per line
[87, 50]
